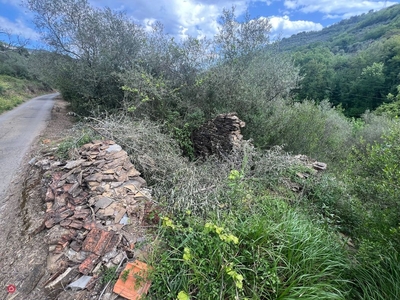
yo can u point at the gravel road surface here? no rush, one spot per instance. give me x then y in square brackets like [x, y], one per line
[18, 129]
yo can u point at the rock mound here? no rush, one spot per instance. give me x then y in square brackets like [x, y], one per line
[96, 208]
[218, 136]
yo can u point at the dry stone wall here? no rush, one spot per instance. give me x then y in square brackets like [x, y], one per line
[218, 136]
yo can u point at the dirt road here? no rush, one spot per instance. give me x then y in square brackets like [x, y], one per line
[18, 129]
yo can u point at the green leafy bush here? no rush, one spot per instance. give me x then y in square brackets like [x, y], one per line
[328, 199]
[374, 175]
[372, 129]
[392, 108]
[316, 130]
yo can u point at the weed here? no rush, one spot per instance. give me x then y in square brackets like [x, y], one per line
[378, 279]
[109, 275]
[78, 137]
[124, 275]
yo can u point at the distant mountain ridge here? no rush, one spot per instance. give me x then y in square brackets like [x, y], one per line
[350, 34]
[354, 64]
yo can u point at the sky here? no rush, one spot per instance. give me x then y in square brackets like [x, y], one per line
[199, 18]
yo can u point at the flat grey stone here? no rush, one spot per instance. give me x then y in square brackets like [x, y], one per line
[32, 161]
[103, 202]
[79, 284]
[114, 148]
[125, 220]
[72, 164]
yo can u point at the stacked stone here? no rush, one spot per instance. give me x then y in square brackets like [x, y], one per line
[218, 136]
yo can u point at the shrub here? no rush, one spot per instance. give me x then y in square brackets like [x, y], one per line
[329, 201]
[316, 130]
[372, 129]
[374, 176]
[247, 85]
[392, 108]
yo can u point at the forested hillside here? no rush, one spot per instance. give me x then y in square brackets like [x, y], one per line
[351, 34]
[354, 63]
[257, 222]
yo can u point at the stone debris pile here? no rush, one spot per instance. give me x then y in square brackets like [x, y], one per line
[218, 136]
[313, 168]
[97, 206]
[313, 165]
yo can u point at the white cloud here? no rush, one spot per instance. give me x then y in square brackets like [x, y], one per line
[343, 8]
[179, 17]
[18, 27]
[200, 17]
[329, 16]
[284, 27]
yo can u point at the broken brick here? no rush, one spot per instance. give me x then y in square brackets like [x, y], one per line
[88, 200]
[130, 287]
[100, 241]
[55, 217]
[88, 264]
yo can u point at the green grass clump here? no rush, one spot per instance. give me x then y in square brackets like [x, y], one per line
[79, 136]
[109, 275]
[378, 280]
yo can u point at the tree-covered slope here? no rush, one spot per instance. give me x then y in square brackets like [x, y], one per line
[354, 64]
[350, 34]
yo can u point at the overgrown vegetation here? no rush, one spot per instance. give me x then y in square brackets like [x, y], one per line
[78, 137]
[234, 228]
[259, 252]
[14, 91]
[109, 275]
[18, 79]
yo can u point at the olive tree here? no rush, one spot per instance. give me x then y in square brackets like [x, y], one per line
[93, 45]
[236, 38]
[12, 43]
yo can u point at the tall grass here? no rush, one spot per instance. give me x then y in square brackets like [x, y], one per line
[279, 255]
[378, 280]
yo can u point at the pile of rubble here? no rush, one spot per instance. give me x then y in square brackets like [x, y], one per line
[313, 168]
[218, 136]
[97, 208]
[312, 164]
